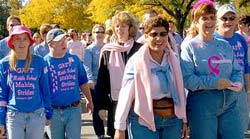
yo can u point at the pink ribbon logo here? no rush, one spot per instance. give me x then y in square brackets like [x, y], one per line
[214, 69]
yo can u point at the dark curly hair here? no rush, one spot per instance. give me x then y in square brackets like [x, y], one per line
[155, 22]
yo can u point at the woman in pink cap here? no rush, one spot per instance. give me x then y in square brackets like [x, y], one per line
[24, 92]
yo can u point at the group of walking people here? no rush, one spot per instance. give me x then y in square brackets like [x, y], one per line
[159, 88]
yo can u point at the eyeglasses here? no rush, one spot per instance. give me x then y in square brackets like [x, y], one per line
[232, 18]
[12, 25]
[102, 32]
[162, 34]
[141, 28]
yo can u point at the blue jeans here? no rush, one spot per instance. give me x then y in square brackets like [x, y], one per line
[244, 112]
[214, 115]
[166, 128]
[66, 124]
[21, 125]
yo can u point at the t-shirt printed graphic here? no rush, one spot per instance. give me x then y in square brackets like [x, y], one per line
[63, 76]
[215, 61]
[66, 75]
[23, 83]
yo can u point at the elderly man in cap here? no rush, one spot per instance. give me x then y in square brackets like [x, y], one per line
[66, 76]
[227, 22]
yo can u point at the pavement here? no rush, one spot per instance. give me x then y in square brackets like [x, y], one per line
[87, 131]
[87, 127]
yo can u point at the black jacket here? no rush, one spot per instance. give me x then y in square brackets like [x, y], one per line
[102, 87]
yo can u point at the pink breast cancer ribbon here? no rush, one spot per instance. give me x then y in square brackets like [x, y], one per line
[214, 69]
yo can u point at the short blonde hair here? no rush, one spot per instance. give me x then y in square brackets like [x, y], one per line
[98, 26]
[125, 17]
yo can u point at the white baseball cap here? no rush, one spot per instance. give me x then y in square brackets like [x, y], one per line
[225, 9]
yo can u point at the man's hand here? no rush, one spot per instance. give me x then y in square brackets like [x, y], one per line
[90, 107]
[47, 122]
[2, 133]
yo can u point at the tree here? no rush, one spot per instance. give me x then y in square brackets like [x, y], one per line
[66, 13]
[4, 15]
[104, 9]
[243, 7]
[176, 9]
[15, 6]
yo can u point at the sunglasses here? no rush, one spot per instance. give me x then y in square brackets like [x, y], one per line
[102, 32]
[162, 34]
[141, 28]
[228, 18]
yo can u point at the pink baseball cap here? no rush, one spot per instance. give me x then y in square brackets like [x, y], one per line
[20, 29]
[197, 4]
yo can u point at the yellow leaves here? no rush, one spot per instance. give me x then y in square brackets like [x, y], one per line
[66, 13]
[104, 9]
[36, 12]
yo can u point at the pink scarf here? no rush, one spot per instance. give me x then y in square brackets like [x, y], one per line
[143, 91]
[116, 65]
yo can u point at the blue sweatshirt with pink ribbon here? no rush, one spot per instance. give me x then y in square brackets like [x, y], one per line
[205, 62]
[24, 91]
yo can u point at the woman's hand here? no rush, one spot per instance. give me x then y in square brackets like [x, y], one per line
[185, 131]
[119, 134]
[103, 114]
[223, 83]
[236, 87]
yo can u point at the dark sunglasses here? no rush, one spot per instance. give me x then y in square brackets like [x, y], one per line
[228, 18]
[102, 32]
[141, 28]
[162, 34]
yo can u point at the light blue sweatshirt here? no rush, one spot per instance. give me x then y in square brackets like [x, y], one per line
[4, 49]
[24, 92]
[204, 62]
[91, 61]
[41, 49]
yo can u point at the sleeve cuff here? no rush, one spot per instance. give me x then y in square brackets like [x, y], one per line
[120, 125]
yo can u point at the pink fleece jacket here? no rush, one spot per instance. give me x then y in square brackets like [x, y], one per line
[139, 91]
